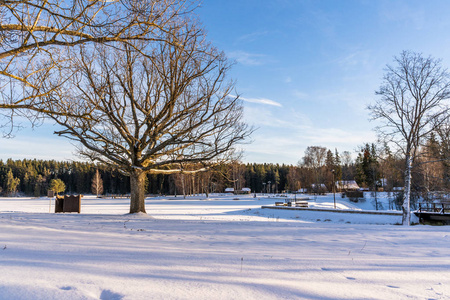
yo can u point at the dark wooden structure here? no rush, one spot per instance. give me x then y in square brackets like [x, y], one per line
[434, 213]
[68, 203]
[59, 200]
[354, 196]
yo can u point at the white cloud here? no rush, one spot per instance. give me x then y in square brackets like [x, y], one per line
[288, 146]
[334, 137]
[264, 117]
[357, 62]
[254, 36]
[38, 146]
[300, 95]
[261, 101]
[403, 12]
[248, 59]
[351, 100]
[283, 136]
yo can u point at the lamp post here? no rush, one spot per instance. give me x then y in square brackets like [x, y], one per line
[268, 182]
[334, 190]
[264, 188]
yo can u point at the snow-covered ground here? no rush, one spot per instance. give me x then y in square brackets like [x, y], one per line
[217, 248]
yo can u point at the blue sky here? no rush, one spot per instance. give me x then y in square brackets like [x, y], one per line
[306, 70]
[315, 65]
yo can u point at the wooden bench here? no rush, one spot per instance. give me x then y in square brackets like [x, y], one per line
[298, 204]
[293, 203]
[301, 204]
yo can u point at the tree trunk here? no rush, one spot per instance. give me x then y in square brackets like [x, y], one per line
[137, 184]
[184, 189]
[207, 187]
[406, 218]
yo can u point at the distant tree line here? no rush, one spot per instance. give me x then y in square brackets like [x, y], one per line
[33, 177]
[376, 168]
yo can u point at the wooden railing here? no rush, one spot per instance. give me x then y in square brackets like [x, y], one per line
[443, 207]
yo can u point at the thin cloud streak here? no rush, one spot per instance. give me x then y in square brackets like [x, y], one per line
[248, 59]
[261, 101]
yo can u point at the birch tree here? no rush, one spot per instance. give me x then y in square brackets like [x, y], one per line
[97, 184]
[35, 37]
[412, 102]
[155, 113]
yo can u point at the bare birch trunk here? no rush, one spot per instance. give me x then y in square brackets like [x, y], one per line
[406, 218]
[137, 184]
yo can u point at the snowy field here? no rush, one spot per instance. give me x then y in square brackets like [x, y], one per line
[217, 248]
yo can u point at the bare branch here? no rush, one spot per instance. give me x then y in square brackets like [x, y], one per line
[36, 38]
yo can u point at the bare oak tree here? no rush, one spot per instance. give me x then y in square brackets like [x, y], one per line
[413, 101]
[35, 37]
[154, 113]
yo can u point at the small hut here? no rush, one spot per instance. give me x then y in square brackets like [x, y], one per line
[347, 185]
[246, 190]
[229, 190]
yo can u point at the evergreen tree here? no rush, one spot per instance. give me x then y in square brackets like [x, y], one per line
[11, 183]
[367, 167]
[57, 185]
[337, 166]
[276, 179]
[329, 161]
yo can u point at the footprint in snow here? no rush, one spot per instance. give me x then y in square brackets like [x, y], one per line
[110, 295]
